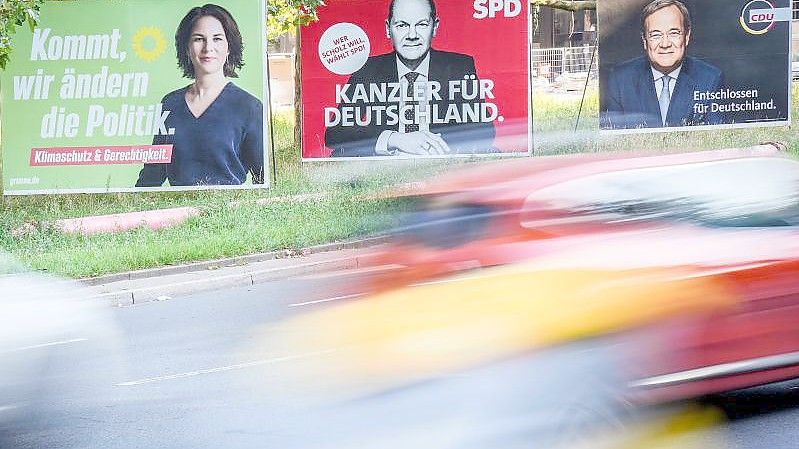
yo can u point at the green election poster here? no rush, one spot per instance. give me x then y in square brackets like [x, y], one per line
[136, 95]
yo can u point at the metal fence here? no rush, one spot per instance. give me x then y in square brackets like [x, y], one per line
[550, 63]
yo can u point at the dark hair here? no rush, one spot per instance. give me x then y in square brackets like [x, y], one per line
[429, 2]
[234, 60]
[660, 4]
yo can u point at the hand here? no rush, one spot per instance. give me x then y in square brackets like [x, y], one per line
[418, 142]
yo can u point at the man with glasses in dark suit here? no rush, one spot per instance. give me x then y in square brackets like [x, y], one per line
[657, 90]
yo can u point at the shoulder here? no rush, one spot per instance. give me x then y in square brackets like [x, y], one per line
[452, 63]
[175, 95]
[451, 57]
[631, 67]
[701, 69]
[240, 94]
[241, 98]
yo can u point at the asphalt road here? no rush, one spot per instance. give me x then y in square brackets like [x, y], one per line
[180, 377]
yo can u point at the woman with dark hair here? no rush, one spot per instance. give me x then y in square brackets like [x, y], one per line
[215, 127]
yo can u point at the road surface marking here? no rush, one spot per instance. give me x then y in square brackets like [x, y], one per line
[44, 345]
[319, 301]
[222, 368]
[351, 272]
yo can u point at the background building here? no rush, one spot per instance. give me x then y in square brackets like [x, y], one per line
[282, 52]
[554, 28]
[795, 31]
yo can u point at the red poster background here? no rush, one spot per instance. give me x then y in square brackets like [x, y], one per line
[499, 46]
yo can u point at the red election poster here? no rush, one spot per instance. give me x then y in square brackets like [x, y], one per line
[416, 78]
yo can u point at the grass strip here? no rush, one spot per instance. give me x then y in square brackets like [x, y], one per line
[343, 213]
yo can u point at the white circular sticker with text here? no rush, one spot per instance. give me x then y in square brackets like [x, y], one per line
[344, 48]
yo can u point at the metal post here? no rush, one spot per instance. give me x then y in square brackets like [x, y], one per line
[271, 122]
[585, 87]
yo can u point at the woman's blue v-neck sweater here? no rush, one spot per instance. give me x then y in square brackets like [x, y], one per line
[219, 147]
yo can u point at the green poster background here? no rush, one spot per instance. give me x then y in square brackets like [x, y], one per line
[146, 27]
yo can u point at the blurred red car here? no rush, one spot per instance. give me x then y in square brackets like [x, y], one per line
[728, 216]
[544, 303]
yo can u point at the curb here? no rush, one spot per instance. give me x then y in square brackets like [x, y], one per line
[224, 273]
[127, 297]
[233, 261]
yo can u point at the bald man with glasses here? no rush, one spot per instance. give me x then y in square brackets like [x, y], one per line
[657, 90]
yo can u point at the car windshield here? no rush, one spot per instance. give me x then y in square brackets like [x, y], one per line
[752, 192]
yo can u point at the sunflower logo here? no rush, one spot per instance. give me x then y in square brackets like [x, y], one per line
[149, 43]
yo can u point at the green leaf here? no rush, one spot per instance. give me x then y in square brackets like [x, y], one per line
[33, 14]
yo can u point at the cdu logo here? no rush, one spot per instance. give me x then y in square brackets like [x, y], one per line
[761, 16]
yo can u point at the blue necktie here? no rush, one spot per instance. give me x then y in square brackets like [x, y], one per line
[665, 97]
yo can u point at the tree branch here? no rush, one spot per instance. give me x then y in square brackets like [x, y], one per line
[567, 5]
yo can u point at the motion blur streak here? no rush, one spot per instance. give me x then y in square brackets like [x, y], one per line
[403, 336]
[44, 321]
[533, 302]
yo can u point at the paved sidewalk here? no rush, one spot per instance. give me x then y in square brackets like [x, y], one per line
[164, 283]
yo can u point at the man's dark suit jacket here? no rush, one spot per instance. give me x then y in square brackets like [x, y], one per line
[444, 66]
[630, 99]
